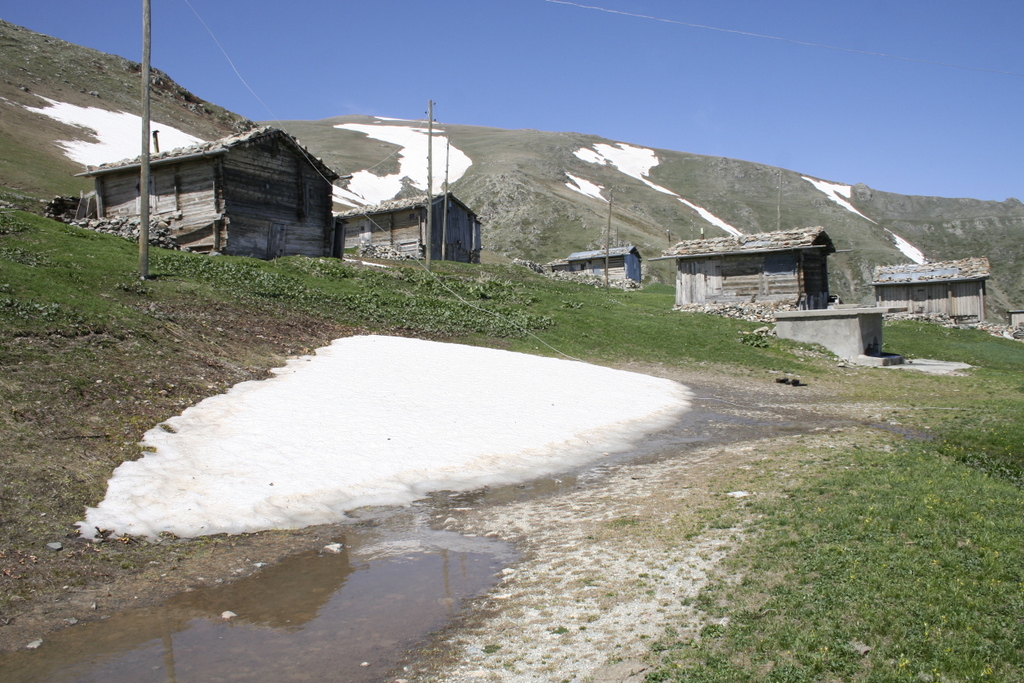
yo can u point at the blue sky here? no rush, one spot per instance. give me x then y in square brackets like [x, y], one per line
[912, 127]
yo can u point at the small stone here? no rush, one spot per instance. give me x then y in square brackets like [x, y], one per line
[365, 664]
[738, 494]
[34, 645]
[334, 547]
[860, 648]
[55, 546]
[227, 615]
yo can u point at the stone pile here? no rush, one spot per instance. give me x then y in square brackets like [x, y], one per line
[757, 312]
[382, 251]
[584, 278]
[128, 228]
[63, 209]
[995, 329]
[532, 265]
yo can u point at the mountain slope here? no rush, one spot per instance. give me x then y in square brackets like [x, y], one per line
[38, 73]
[541, 195]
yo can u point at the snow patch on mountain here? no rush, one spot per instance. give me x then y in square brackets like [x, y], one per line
[838, 193]
[585, 187]
[908, 249]
[637, 162]
[366, 187]
[118, 134]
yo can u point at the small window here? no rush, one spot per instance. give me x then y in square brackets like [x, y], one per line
[412, 216]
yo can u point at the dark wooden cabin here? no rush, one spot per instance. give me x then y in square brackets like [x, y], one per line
[402, 225]
[624, 263]
[259, 193]
[953, 288]
[785, 266]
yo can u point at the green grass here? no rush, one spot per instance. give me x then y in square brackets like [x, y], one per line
[915, 552]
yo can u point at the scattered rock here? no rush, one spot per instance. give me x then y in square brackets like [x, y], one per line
[860, 648]
[227, 615]
[34, 645]
[334, 548]
[738, 494]
[55, 546]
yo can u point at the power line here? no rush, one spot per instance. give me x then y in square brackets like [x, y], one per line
[785, 40]
[364, 214]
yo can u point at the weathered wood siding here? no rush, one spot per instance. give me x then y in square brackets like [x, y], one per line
[964, 301]
[277, 204]
[616, 267]
[800, 277]
[462, 236]
[398, 229]
[404, 230]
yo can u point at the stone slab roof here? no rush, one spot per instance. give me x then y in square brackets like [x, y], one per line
[400, 204]
[976, 268]
[783, 240]
[215, 147]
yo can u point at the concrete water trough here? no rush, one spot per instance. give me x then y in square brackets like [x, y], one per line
[853, 333]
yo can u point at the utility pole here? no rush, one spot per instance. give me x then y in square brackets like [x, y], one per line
[444, 220]
[779, 204]
[608, 236]
[144, 166]
[430, 179]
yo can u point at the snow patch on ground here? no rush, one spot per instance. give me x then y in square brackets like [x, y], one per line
[366, 187]
[637, 162]
[838, 193]
[585, 187]
[118, 133]
[376, 421]
[908, 249]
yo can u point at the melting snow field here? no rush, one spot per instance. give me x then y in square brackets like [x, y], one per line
[637, 162]
[376, 421]
[118, 133]
[366, 187]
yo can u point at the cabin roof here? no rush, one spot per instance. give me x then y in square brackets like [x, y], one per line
[783, 240]
[599, 253]
[975, 268]
[400, 204]
[215, 148]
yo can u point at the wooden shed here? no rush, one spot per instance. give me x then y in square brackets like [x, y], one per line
[258, 193]
[785, 266]
[953, 288]
[402, 225]
[624, 263]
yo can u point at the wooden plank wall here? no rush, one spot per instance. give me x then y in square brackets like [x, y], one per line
[963, 301]
[753, 277]
[277, 204]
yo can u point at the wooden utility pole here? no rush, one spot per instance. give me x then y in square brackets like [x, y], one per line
[430, 179]
[444, 219]
[779, 204]
[144, 166]
[608, 236]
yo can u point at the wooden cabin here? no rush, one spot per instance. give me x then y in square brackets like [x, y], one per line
[953, 288]
[624, 263]
[402, 225]
[786, 266]
[258, 193]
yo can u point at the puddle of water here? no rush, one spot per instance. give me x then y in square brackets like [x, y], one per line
[312, 617]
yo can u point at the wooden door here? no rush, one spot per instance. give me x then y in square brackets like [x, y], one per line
[276, 240]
